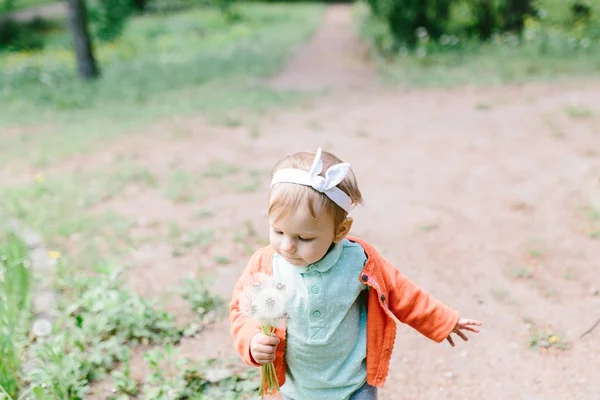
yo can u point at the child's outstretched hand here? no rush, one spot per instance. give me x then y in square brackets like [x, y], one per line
[262, 348]
[463, 324]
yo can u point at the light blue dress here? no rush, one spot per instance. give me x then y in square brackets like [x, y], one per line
[327, 326]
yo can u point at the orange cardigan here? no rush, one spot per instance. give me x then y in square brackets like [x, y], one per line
[391, 295]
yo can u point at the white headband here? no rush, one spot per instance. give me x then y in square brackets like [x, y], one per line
[334, 175]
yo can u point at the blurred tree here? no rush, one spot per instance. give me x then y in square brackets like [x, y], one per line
[139, 5]
[515, 12]
[109, 17]
[84, 52]
[486, 20]
[414, 21]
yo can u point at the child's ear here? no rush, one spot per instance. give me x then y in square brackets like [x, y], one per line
[342, 230]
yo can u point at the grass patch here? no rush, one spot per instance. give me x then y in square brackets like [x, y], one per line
[67, 211]
[95, 334]
[578, 112]
[252, 182]
[201, 237]
[593, 214]
[205, 304]
[429, 227]
[203, 213]
[15, 282]
[174, 377]
[540, 339]
[525, 273]
[182, 187]
[23, 4]
[219, 170]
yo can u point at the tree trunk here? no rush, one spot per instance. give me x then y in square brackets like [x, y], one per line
[84, 52]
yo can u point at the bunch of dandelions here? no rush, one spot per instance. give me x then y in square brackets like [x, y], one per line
[263, 299]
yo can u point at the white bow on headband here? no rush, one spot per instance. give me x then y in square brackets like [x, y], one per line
[326, 185]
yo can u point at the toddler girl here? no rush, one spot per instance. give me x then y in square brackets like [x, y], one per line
[345, 297]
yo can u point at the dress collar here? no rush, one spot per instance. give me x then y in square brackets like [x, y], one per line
[325, 263]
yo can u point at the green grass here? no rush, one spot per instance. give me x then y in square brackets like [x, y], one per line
[64, 209]
[593, 213]
[14, 305]
[23, 4]
[552, 48]
[176, 64]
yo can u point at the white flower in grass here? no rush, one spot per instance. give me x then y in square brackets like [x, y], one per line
[270, 306]
[41, 328]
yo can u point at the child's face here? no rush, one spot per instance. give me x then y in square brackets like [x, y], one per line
[301, 239]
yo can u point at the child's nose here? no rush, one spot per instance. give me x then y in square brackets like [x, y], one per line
[288, 245]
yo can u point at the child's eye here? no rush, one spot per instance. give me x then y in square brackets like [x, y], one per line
[277, 232]
[306, 239]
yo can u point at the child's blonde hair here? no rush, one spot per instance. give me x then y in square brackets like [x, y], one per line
[289, 196]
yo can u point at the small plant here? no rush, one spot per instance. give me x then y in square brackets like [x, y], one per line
[176, 378]
[535, 250]
[499, 294]
[252, 182]
[254, 132]
[14, 311]
[593, 214]
[232, 122]
[247, 232]
[124, 383]
[129, 173]
[570, 275]
[578, 112]
[522, 273]
[429, 227]
[182, 187]
[222, 260]
[545, 339]
[174, 230]
[219, 170]
[165, 381]
[94, 336]
[204, 213]
[201, 237]
[205, 304]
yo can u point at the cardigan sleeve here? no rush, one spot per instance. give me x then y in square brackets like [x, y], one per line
[417, 308]
[244, 328]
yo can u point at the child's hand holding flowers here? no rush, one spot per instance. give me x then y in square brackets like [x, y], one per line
[263, 300]
[262, 348]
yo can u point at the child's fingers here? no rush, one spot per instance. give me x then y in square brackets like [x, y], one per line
[265, 349]
[263, 358]
[469, 322]
[469, 328]
[462, 335]
[268, 340]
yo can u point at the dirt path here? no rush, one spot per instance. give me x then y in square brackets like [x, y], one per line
[479, 195]
[333, 59]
